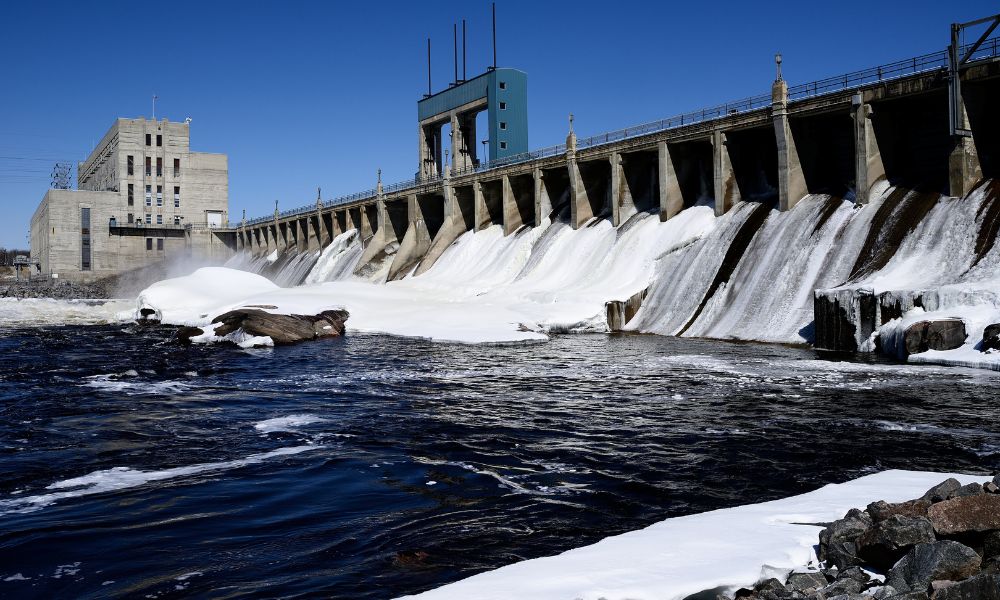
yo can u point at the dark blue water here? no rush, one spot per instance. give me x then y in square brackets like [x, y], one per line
[133, 467]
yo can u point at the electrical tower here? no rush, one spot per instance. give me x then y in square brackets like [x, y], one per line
[61, 176]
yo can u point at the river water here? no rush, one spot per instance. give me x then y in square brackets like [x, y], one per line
[369, 466]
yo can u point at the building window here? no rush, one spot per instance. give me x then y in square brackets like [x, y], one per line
[149, 167]
[131, 218]
[159, 219]
[159, 166]
[149, 195]
[148, 140]
[177, 220]
[503, 106]
[149, 244]
[149, 219]
[84, 239]
[503, 86]
[131, 165]
[503, 125]
[131, 195]
[159, 140]
[159, 244]
[503, 145]
[177, 196]
[177, 167]
[159, 195]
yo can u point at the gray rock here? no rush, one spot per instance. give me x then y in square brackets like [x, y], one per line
[942, 490]
[805, 582]
[856, 573]
[838, 541]
[887, 541]
[965, 514]
[939, 334]
[925, 563]
[844, 585]
[991, 339]
[972, 489]
[885, 592]
[982, 587]
[991, 545]
[882, 510]
[910, 596]
[991, 488]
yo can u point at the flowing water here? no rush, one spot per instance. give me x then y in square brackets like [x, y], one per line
[370, 467]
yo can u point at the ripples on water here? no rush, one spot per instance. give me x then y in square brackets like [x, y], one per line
[368, 467]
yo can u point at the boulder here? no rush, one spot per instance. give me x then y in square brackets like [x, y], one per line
[972, 489]
[939, 334]
[887, 541]
[991, 338]
[882, 510]
[982, 587]
[838, 541]
[942, 491]
[282, 329]
[925, 563]
[966, 514]
[844, 586]
[991, 488]
[805, 582]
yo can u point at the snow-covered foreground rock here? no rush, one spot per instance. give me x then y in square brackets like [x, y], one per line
[677, 557]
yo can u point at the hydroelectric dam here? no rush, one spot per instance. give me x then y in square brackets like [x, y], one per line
[904, 137]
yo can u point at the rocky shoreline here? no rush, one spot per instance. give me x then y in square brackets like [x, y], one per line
[944, 545]
[57, 289]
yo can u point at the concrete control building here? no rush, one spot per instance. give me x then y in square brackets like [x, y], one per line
[142, 197]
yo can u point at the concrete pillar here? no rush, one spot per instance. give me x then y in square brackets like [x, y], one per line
[481, 215]
[622, 203]
[543, 204]
[671, 198]
[727, 193]
[791, 181]
[429, 140]
[463, 130]
[512, 220]
[964, 169]
[580, 209]
[868, 167]
[366, 226]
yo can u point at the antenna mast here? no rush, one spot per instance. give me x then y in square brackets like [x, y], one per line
[463, 49]
[494, 36]
[454, 33]
[428, 66]
[154, 106]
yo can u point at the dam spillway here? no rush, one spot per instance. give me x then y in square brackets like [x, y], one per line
[839, 136]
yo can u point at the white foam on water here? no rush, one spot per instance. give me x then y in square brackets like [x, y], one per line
[124, 478]
[33, 312]
[289, 423]
[130, 383]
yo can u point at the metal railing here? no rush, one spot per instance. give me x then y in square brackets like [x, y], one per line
[849, 81]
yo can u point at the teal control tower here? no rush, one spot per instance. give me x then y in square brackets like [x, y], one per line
[502, 92]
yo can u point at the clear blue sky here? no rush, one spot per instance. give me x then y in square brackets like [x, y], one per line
[307, 94]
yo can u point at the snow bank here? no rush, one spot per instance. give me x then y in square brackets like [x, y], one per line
[192, 299]
[684, 555]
